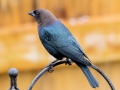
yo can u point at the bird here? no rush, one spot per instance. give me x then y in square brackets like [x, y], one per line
[60, 43]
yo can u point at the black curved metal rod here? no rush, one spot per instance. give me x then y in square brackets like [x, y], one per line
[48, 67]
[105, 76]
[44, 71]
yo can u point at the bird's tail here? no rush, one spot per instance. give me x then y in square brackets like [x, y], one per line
[93, 82]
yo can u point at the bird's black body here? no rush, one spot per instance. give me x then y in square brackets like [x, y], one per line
[60, 43]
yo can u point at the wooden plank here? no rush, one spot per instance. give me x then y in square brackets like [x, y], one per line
[24, 10]
[15, 14]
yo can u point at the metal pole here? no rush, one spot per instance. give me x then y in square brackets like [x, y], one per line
[13, 72]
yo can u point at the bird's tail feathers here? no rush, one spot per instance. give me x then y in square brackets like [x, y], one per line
[93, 82]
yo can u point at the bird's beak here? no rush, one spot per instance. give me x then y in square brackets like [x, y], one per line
[31, 13]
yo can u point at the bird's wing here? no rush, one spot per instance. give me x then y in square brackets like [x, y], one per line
[79, 47]
[63, 41]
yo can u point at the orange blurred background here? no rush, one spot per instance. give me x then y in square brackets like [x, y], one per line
[94, 23]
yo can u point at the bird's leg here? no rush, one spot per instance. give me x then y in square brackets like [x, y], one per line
[69, 61]
[51, 66]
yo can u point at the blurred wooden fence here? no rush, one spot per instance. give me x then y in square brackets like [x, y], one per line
[94, 23]
[15, 11]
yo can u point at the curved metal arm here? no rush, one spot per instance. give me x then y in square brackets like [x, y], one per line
[105, 76]
[48, 67]
[45, 70]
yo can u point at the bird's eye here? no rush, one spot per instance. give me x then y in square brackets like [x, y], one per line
[37, 13]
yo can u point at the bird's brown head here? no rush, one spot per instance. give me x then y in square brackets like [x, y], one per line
[43, 16]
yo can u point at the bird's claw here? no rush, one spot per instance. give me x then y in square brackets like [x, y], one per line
[69, 62]
[51, 68]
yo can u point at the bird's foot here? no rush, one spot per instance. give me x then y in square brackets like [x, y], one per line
[69, 62]
[51, 68]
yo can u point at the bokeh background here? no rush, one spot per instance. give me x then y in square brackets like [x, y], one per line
[94, 23]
